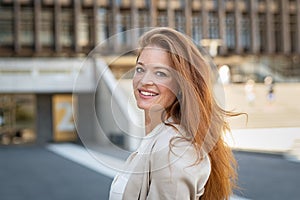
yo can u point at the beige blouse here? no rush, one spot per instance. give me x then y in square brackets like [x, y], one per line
[156, 171]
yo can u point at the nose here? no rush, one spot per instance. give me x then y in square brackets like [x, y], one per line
[147, 79]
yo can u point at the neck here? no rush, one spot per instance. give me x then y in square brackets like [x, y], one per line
[152, 119]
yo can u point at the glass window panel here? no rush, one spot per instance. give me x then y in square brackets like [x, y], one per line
[162, 19]
[230, 31]
[124, 26]
[245, 32]
[84, 29]
[277, 31]
[17, 119]
[213, 24]
[67, 30]
[46, 31]
[144, 20]
[293, 32]
[262, 32]
[26, 26]
[196, 28]
[179, 21]
[102, 24]
[6, 27]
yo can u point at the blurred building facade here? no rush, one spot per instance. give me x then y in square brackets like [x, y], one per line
[70, 27]
[255, 38]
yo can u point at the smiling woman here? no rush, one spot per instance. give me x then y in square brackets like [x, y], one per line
[183, 155]
[154, 86]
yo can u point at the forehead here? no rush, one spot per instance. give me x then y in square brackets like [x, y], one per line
[154, 54]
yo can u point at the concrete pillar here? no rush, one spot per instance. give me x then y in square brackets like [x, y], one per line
[237, 19]
[57, 26]
[17, 11]
[134, 14]
[298, 26]
[44, 125]
[153, 13]
[222, 26]
[37, 25]
[204, 16]
[115, 26]
[170, 13]
[188, 17]
[285, 24]
[85, 120]
[270, 28]
[254, 26]
[95, 27]
[76, 19]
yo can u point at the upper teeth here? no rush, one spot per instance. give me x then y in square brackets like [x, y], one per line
[147, 93]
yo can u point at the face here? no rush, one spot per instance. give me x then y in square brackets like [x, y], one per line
[153, 83]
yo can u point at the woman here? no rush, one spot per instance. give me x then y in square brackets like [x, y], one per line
[183, 155]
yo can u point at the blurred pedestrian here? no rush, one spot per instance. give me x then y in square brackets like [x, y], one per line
[183, 155]
[249, 91]
[224, 73]
[269, 83]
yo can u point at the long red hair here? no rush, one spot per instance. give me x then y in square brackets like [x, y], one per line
[196, 108]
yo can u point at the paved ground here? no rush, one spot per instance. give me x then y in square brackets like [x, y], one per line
[35, 173]
[61, 172]
[284, 111]
[267, 176]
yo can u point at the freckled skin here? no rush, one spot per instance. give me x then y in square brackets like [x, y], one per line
[154, 86]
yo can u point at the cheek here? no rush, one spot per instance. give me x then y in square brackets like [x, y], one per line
[135, 81]
[167, 92]
[170, 88]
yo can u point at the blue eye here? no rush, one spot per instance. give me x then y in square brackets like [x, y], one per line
[161, 74]
[139, 69]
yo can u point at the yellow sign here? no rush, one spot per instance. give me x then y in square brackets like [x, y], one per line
[63, 121]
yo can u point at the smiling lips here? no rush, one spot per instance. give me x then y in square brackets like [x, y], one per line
[147, 93]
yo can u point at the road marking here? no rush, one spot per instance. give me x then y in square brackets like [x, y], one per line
[98, 162]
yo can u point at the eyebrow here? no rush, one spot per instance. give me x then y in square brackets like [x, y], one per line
[140, 63]
[156, 65]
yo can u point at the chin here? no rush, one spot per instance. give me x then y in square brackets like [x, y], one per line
[152, 108]
[143, 107]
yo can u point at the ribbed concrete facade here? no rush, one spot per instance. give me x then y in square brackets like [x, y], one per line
[72, 27]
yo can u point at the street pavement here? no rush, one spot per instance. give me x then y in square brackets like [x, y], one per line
[35, 173]
[68, 171]
[267, 176]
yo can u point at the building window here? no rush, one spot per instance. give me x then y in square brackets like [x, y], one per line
[247, 3]
[262, 39]
[213, 25]
[293, 32]
[67, 28]
[17, 119]
[278, 33]
[215, 4]
[179, 21]
[84, 28]
[46, 31]
[246, 30]
[196, 27]
[230, 31]
[162, 19]
[6, 27]
[26, 27]
[124, 26]
[144, 20]
[102, 21]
